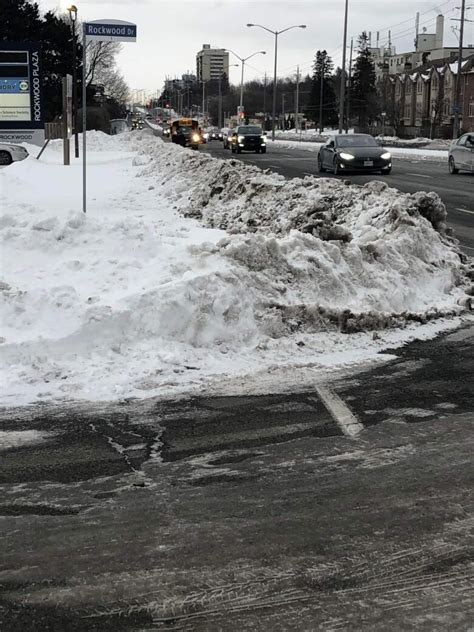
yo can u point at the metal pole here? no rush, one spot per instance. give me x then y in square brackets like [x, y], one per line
[349, 84]
[66, 151]
[74, 90]
[457, 105]
[343, 73]
[274, 87]
[297, 105]
[242, 86]
[203, 98]
[321, 91]
[265, 97]
[84, 122]
[219, 113]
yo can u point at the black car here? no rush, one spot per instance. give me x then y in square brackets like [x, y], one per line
[354, 152]
[248, 138]
[213, 134]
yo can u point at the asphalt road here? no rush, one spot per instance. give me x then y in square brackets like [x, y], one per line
[408, 175]
[248, 513]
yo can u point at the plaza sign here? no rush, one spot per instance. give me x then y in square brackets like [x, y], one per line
[21, 107]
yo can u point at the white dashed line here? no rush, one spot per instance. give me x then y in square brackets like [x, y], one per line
[465, 210]
[307, 173]
[420, 175]
[274, 166]
[341, 414]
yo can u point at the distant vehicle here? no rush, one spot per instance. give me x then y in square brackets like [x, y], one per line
[461, 154]
[186, 132]
[11, 153]
[137, 124]
[228, 138]
[223, 134]
[248, 138]
[166, 130]
[354, 152]
[117, 126]
[212, 133]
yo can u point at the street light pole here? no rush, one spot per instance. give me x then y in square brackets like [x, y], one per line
[457, 105]
[243, 60]
[72, 9]
[343, 73]
[276, 34]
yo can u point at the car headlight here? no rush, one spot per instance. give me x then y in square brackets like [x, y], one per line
[345, 156]
[241, 139]
[386, 156]
[196, 138]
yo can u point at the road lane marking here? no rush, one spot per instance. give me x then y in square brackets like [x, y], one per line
[275, 166]
[467, 248]
[464, 210]
[420, 175]
[307, 173]
[341, 414]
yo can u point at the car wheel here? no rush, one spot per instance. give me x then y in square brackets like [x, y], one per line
[452, 166]
[239, 151]
[386, 172]
[5, 158]
[335, 167]
[232, 149]
[264, 150]
[321, 169]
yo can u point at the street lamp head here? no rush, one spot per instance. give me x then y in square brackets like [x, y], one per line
[264, 52]
[72, 11]
[250, 24]
[302, 26]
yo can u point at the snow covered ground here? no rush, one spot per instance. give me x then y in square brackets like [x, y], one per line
[189, 271]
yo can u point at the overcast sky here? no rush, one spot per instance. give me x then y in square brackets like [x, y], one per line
[171, 33]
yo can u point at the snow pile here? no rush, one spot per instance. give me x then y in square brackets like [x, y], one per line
[139, 298]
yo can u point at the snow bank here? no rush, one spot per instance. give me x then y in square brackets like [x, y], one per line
[187, 268]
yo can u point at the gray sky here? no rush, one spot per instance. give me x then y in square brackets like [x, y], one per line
[171, 33]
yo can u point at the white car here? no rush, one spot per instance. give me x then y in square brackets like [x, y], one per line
[10, 153]
[461, 154]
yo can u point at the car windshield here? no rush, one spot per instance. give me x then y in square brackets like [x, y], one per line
[356, 141]
[184, 129]
[251, 129]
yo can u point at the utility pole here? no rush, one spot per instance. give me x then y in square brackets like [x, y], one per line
[219, 111]
[349, 85]
[283, 109]
[457, 94]
[265, 96]
[297, 110]
[321, 91]
[343, 73]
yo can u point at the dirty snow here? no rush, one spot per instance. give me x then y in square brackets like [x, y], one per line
[188, 270]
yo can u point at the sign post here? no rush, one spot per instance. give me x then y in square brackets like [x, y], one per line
[101, 31]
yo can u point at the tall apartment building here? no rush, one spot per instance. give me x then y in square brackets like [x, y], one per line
[211, 63]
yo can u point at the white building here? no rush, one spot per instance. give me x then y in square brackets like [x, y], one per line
[211, 63]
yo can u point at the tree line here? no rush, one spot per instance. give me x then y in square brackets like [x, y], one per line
[318, 93]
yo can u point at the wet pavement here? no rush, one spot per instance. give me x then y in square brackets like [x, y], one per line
[248, 513]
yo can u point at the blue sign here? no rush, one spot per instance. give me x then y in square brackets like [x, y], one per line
[14, 86]
[111, 31]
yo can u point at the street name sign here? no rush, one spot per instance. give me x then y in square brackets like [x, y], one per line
[101, 31]
[111, 31]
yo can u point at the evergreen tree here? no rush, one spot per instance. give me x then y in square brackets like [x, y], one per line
[322, 72]
[364, 101]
